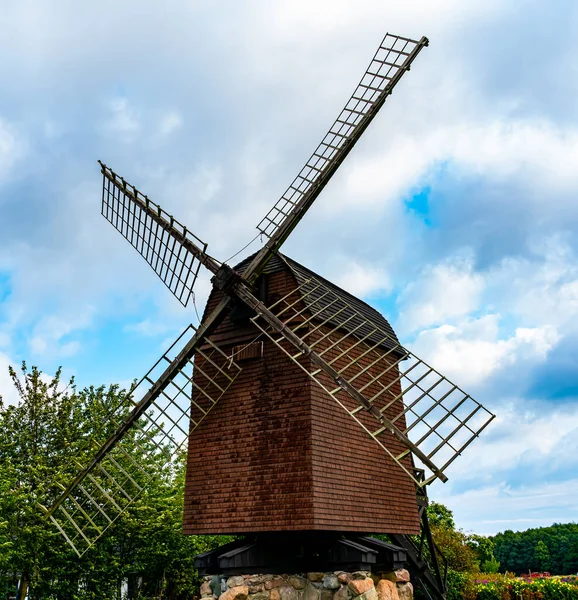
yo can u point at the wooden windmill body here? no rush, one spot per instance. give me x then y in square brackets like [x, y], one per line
[302, 411]
[280, 457]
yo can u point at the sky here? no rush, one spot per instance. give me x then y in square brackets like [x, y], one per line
[455, 215]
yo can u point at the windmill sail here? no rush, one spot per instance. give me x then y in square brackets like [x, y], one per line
[437, 418]
[174, 253]
[104, 490]
[392, 59]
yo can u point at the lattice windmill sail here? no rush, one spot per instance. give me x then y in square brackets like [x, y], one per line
[306, 330]
[119, 473]
[438, 418]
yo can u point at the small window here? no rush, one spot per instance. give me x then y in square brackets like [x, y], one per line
[247, 351]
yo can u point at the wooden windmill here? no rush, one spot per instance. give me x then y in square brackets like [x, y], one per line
[316, 422]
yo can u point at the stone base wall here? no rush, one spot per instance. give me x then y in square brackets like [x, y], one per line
[333, 585]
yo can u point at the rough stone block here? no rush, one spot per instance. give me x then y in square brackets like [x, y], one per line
[297, 582]
[331, 582]
[288, 592]
[344, 577]
[387, 590]
[239, 592]
[259, 596]
[274, 583]
[315, 576]
[311, 593]
[235, 581]
[401, 576]
[360, 586]
[206, 591]
[343, 593]
[274, 594]
[371, 594]
[405, 591]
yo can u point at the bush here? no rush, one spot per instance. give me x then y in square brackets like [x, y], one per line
[460, 586]
[507, 587]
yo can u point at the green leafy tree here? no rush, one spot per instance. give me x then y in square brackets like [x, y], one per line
[484, 548]
[452, 542]
[35, 434]
[454, 546]
[541, 556]
[521, 551]
[440, 515]
[44, 438]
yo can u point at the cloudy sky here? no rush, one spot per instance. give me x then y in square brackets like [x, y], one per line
[456, 214]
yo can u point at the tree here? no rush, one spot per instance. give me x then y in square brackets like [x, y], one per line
[541, 556]
[454, 546]
[34, 437]
[42, 439]
[484, 548]
[453, 543]
[520, 551]
[440, 515]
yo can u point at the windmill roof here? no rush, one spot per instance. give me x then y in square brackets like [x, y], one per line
[349, 304]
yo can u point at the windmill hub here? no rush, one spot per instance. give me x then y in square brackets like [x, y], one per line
[226, 278]
[316, 425]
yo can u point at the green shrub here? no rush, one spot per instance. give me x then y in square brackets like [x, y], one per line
[461, 586]
[506, 587]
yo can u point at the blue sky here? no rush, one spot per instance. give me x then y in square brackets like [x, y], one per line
[455, 215]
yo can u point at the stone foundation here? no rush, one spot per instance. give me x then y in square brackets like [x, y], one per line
[333, 585]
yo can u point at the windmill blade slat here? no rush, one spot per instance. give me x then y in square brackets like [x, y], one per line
[174, 253]
[110, 485]
[392, 59]
[389, 380]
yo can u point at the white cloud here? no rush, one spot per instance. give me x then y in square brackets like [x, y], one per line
[11, 148]
[522, 434]
[494, 508]
[536, 154]
[440, 292]
[48, 333]
[471, 351]
[541, 288]
[7, 389]
[517, 472]
[518, 475]
[170, 122]
[361, 279]
[538, 300]
[124, 122]
[148, 327]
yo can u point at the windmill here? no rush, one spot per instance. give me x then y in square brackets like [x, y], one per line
[317, 423]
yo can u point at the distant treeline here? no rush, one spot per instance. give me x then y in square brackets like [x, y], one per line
[553, 549]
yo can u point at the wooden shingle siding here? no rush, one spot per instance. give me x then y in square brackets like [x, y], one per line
[248, 465]
[355, 483]
[277, 453]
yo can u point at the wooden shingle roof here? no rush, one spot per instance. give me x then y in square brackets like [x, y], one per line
[346, 312]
